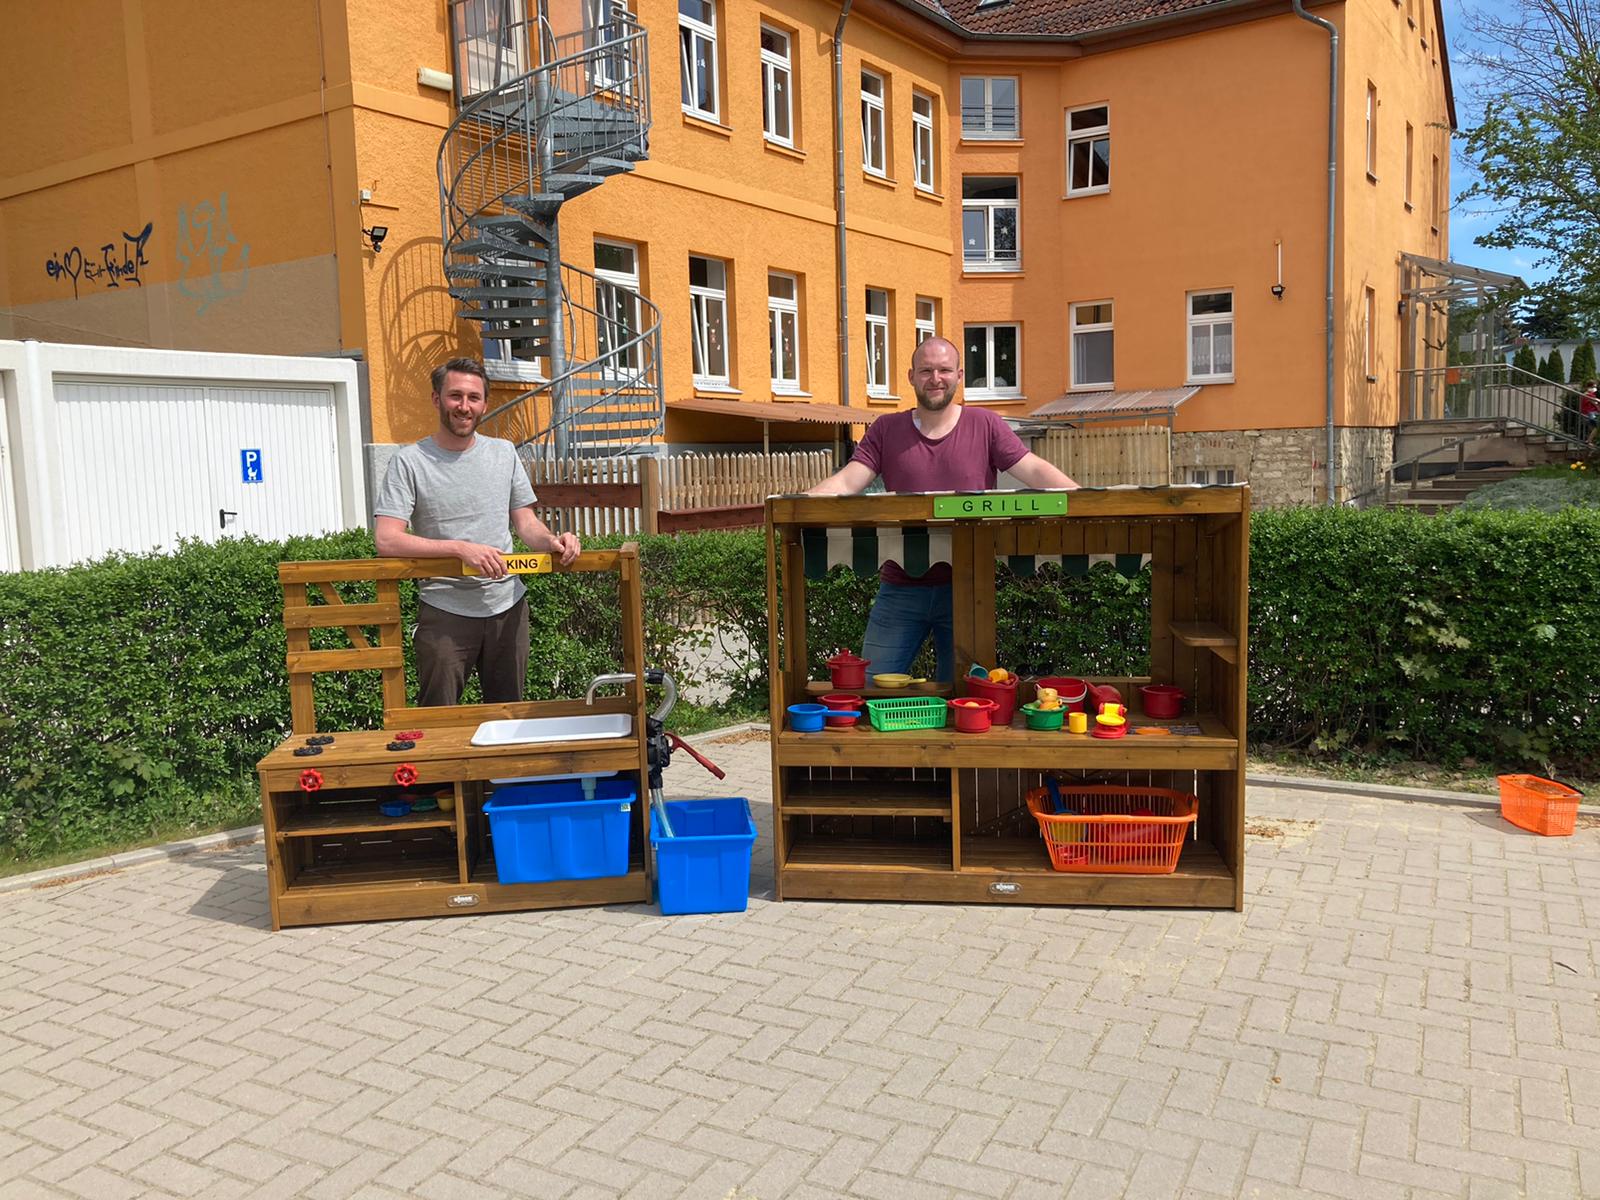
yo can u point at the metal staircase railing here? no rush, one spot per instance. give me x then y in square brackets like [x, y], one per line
[1493, 391]
[507, 163]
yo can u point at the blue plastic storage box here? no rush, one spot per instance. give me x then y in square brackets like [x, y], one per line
[548, 831]
[705, 868]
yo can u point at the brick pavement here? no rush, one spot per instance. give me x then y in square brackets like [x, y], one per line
[1408, 1006]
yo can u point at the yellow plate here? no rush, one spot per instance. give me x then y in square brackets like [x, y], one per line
[891, 680]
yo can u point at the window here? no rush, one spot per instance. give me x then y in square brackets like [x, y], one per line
[1410, 135]
[708, 312]
[991, 362]
[927, 321]
[783, 330]
[1369, 335]
[1209, 475]
[989, 216]
[1092, 345]
[491, 45]
[602, 29]
[697, 56]
[616, 297]
[877, 342]
[1088, 150]
[1435, 208]
[922, 139]
[1210, 336]
[873, 154]
[1372, 132]
[989, 106]
[777, 86]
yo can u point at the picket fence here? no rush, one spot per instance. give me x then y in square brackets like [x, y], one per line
[1101, 457]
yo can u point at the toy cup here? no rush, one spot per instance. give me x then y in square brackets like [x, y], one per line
[1077, 722]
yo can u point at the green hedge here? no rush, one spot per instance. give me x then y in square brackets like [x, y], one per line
[137, 693]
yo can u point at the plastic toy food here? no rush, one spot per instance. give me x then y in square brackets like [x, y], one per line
[1049, 699]
[999, 675]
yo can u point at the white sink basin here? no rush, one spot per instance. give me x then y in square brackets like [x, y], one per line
[553, 729]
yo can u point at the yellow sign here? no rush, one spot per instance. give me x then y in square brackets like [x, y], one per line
[520, 564]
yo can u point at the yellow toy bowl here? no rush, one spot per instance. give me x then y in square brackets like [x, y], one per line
[447, 802]
[891, 680]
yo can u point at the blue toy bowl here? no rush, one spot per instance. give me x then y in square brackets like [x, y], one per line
[807, 718]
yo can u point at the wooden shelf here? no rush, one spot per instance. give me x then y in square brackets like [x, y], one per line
[419, 870]
[868, 854]
[1209, 635]
[823, 688]
[357, 819]
[867, 798]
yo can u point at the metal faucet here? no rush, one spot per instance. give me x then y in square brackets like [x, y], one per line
[599, 680]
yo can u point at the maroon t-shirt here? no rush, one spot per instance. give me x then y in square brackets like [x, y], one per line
[967, 459]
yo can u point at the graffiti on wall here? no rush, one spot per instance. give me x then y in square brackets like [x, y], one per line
[116, 265]
[207, 248]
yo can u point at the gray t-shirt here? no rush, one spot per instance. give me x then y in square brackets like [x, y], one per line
[464, 495]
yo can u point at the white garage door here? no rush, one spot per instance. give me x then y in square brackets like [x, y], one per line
[144, 464]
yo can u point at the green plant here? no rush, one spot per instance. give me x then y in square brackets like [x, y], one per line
[1525, 360]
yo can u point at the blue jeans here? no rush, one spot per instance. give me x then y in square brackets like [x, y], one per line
[902, 617]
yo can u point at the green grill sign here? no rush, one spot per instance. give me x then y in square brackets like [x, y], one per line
[987, 506]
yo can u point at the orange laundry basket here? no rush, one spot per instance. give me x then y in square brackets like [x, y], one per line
[1114, 830]
[1539, 805]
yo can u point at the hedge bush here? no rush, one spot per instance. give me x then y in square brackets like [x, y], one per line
[138, 692]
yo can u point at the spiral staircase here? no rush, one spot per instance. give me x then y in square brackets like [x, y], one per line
[514, 155]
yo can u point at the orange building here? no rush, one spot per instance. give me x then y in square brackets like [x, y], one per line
[204, 176]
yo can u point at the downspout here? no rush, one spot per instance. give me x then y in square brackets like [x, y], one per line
[838, 204]
[1333, 177]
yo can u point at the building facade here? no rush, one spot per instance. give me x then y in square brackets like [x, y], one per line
[214, 184]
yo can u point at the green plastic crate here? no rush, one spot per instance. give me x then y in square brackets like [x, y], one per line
[907, 712]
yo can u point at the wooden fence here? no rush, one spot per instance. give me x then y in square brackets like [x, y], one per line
[683, 491]
[1100, 457]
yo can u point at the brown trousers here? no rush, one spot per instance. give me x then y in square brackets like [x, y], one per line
[448, 647]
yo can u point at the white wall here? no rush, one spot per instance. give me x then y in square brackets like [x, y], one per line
[130, 449]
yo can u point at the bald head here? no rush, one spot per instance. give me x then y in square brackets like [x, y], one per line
[935, 374]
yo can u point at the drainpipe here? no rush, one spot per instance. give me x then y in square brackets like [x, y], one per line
[1333, 177]
[838, 204]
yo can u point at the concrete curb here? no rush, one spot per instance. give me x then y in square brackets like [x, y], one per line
[1384, 791]
[132, 858]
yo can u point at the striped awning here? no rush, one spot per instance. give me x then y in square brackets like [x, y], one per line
[865, 550]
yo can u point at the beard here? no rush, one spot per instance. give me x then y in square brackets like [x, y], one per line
[459, 424]
[935, 403]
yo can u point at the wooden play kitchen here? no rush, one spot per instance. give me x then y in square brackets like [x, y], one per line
[333, 852]
[907, 804]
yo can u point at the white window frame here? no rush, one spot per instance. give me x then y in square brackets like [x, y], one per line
[774, 64]
[924, 147]
[989, 131]
[691, 32]
[877, 329]
[989, 262]
[1210, 322]
[704, 301]
[483, 61]
[1372, 131]
[607, 70]
[783, 311]
[615, 288]
[983, 389]
[926, 326]
[874, 120]
[1090, 134]
[1074, 329]
[1213, 475]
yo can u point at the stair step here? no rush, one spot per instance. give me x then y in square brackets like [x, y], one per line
[574, 184]
[519, 234]
[482, 246]
[495, 270]
[521, 332]
[540, 204]
[499, 293]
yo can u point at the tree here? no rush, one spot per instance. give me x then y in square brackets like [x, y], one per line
[1582, 364]
[1537, 145]
[1525, 360]
[1554, 369]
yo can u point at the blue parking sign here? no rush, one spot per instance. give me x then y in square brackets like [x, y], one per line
[250, 466]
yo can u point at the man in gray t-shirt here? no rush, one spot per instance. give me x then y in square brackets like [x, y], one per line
[462, 493]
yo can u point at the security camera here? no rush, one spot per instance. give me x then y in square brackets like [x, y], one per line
[375, 235]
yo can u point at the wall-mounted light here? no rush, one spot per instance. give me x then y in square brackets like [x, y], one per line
[375, 237]
[1277, 291]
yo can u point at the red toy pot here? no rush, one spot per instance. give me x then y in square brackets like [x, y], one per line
[1003, 696]
[973, 715]
[1162, 701]
[1101, 693]
[842, 700]
[848, 670]
[1073, 693]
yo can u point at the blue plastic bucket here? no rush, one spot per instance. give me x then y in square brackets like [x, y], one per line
[548, 831]
[705, 866]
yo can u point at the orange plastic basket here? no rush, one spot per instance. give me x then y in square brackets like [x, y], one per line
[1539, 805]
[1114, 830]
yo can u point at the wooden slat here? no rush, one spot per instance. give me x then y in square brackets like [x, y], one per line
[688, 520]
[368, 659]
[963, 595]
[588, 495]
[329, 616]
[836, 511]
[345, 570]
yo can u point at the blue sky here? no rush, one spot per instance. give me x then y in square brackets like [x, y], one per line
[1466, 222]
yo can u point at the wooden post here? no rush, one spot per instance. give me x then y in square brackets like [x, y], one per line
[649, 493]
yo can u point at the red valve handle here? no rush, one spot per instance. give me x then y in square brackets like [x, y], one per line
[679, 744]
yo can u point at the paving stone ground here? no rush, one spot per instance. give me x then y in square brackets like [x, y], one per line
[1409, 1006]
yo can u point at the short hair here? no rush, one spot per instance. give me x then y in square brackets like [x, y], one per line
[462, 366]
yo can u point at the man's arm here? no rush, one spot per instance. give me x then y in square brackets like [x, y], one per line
[536, 536]
[1036, 472]
[394, 540]
[849, 479]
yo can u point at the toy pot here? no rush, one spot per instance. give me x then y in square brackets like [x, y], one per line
[1163, 701]
[1101, 693]
[843, 709]
[973, 715]
[1043, 718]
[1002, 695]
[1073, 693]
[848, 670]
[806, 718]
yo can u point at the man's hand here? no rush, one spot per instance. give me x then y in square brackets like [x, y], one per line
[567, 547]
[485, 560]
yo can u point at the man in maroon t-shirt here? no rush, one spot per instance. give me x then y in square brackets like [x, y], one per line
[939, 446]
